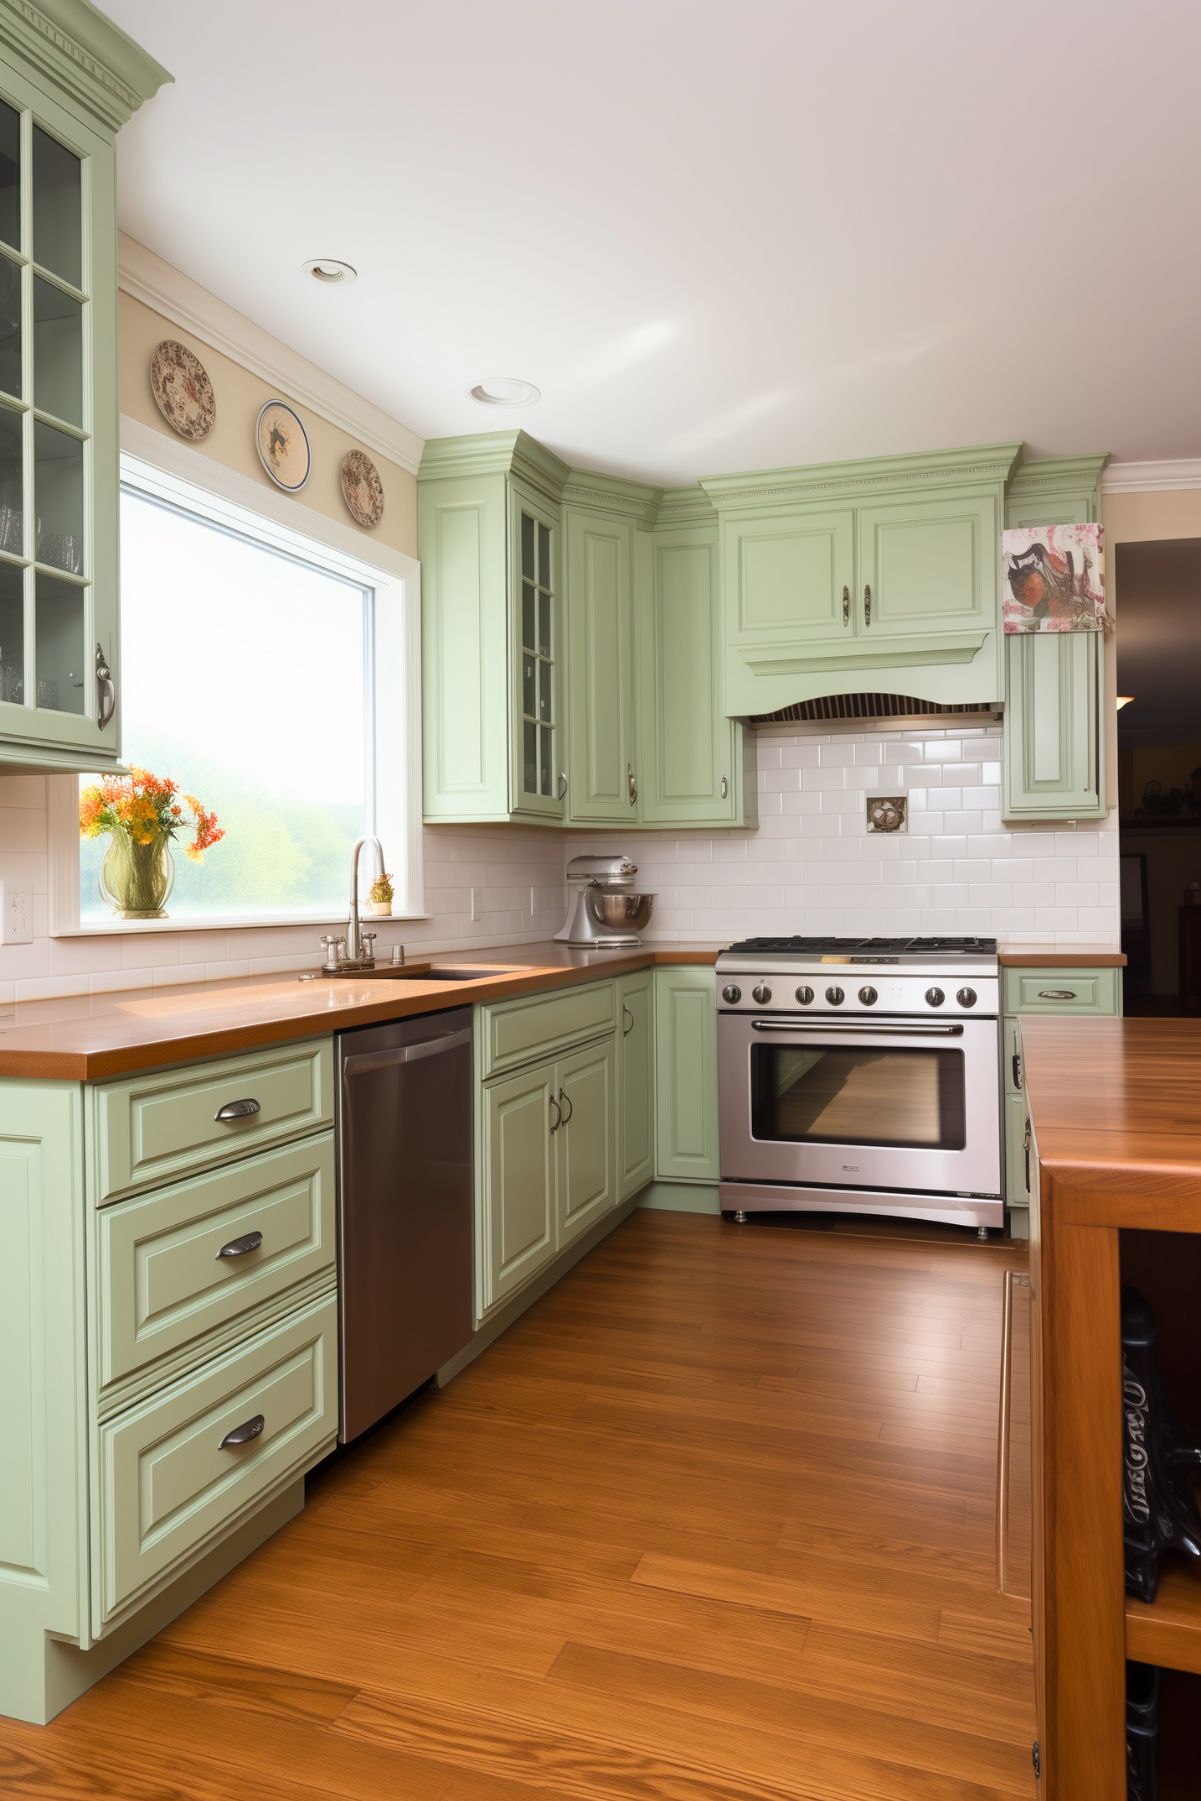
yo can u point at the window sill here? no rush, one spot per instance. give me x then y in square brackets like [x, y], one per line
[266, 923]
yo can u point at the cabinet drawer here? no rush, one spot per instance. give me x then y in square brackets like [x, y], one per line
[167, 1123]
[1063, 990]
[171, 1484]
[161, 1280]
[523, 1030]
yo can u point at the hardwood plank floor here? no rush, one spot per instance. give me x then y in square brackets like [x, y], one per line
[715, 1521]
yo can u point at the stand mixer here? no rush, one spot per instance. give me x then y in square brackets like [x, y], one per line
[607, 911]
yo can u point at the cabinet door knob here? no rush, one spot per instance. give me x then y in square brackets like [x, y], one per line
[244, 1434]
[1017, 1069]
[846, 606]
[725, 787]
[632, 784]
[562, 785]
[557, 1121]
[628, 1019]
[241, 1247]
[106, 690]
[236, 1110]
[566, 1102]
[867, 604]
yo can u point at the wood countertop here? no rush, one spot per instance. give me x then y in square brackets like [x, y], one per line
[1060, 956]
[1116, 1097]
[88, 1038]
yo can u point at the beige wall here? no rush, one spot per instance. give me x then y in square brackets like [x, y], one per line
[240, 394]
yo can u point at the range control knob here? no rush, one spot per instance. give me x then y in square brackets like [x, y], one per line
[835, 996]
[868, 996]
[804, 994]
[966, 997]
[761, 993]
[731, 993]
[935, 996]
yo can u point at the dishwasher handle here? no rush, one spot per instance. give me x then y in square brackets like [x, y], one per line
[363, 1062]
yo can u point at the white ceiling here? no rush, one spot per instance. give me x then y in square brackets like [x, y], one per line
[717, 237]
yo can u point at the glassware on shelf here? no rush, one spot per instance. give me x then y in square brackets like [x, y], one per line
[1159, 1506]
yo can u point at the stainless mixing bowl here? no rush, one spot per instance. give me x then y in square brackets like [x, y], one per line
[620, 908]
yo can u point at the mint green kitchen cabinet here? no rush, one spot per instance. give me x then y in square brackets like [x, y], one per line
[62, 101]
[602, 754]
[636, 1082]
[879, 575]
[694, 757]
[686, 1075]
[488, 528]
[586, 1138]
[520, 1180]
[131, 1352]
[1054, 739]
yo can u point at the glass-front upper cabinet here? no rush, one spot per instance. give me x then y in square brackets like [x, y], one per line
[540, 782]
[58, 399]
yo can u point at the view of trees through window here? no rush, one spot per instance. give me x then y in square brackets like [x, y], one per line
[246, 678]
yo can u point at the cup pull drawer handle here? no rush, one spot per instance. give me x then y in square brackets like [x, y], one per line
[1058, 994]
[1017, 1069]
[236, 1110]
[241, 1247]
[244, 1434]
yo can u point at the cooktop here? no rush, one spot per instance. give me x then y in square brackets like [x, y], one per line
[865, 947]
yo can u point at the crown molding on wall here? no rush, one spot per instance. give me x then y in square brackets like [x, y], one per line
[1145, 478]
[168, 291]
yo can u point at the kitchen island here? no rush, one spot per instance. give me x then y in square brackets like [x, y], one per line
[1114, 1147]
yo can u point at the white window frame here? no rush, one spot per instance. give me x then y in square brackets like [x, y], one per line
[174, 472]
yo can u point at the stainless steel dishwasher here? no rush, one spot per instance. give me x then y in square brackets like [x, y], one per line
[404, 1208]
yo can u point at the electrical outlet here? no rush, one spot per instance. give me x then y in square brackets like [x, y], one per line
[14, 914]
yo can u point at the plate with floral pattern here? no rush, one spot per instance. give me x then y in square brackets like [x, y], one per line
[362, 489]
[182, 390]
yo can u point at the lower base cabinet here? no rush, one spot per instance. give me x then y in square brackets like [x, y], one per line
[686, 1075]
[549, 1163]
[635, 1082]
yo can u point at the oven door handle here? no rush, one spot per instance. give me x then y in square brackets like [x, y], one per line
[877, 1028]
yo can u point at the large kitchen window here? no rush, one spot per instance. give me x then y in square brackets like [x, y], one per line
[269, 675]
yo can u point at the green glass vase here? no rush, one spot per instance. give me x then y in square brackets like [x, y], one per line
[136, 879]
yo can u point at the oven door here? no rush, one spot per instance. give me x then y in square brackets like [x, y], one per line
[851, 1103]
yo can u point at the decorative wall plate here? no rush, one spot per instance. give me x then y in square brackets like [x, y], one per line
[886, 812]
[182, 390]
[362, 489]
[283, 445]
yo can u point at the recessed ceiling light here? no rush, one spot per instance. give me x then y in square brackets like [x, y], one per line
[505, 390]
[329, 271]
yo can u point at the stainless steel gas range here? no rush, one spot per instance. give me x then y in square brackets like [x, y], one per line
[861, 1076]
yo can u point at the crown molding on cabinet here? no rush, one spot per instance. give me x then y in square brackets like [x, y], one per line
[613, 495]
[85, 54]
[988, 465]
[157, 284]
[1055, 475]
[687, 507]
[495, 453]
[1173, 474]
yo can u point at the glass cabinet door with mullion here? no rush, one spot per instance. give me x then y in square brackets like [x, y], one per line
[539, 780]
[58, 417]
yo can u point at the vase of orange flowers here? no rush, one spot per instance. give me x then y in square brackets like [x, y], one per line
[142, 814]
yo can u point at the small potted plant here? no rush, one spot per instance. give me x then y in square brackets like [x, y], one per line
[379, 898]
[141, 814]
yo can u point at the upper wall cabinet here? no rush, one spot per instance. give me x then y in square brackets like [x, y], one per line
[68, 81]
[1054, 752]
[878, 575]
[492, 641]
[696, 762]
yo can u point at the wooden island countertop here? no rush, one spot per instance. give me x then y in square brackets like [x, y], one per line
[88, 1038]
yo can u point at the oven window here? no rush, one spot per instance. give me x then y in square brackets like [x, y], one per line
[878, 1096]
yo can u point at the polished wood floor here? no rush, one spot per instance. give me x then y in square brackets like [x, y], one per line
[714, 1522]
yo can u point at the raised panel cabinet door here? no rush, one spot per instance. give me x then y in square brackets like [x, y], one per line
[789, 578]
[58, 436]
[600, 669]
[635, 1083]
[520, 1116]
[686, 1075]
[927, 567]
[1053, 762]
[537, 776]
[462, 537]
[1016, 1192]
[586, 1092]
[691, 753]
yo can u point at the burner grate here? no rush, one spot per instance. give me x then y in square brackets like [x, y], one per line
[869, 947]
